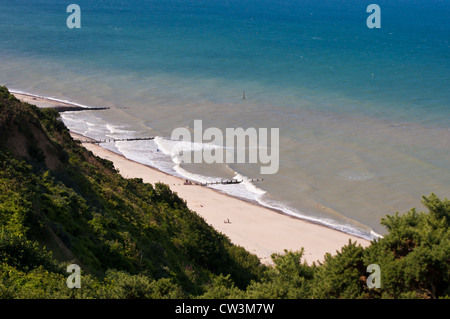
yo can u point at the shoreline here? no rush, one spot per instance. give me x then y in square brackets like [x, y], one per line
[259, 229]
[79, 137]
[64, 105]
[47, 102]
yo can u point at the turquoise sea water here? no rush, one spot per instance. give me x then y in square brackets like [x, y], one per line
[364, 114]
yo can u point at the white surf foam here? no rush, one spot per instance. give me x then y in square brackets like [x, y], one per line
[357, 175]
[346, 228]
[176, 148]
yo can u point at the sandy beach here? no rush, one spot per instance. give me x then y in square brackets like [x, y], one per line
[40, 101]
[260, 230]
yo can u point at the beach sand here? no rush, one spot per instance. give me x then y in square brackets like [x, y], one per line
[40, 101]
[260, 230]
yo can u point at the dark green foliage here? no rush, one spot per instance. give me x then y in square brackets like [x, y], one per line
[223, 287]
[340, 276]
[23, 254]
[60, 204]
[415, 255]
[290, 279]
[121, 285]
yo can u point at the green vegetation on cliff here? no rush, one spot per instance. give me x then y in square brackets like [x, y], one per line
[60, 204]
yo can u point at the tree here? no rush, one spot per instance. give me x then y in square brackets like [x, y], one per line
[340, 276]
[289, 279]
[415, 255]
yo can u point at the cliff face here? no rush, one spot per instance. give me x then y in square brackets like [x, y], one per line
[21, 132]
[57, 197]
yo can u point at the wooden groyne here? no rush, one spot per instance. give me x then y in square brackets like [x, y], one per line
[221, 182]
[92, 141]
[63, 108]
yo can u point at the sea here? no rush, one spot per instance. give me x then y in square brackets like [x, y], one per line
[363, 113]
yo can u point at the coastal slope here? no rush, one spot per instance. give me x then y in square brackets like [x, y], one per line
[61, 204]
[260, 230]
